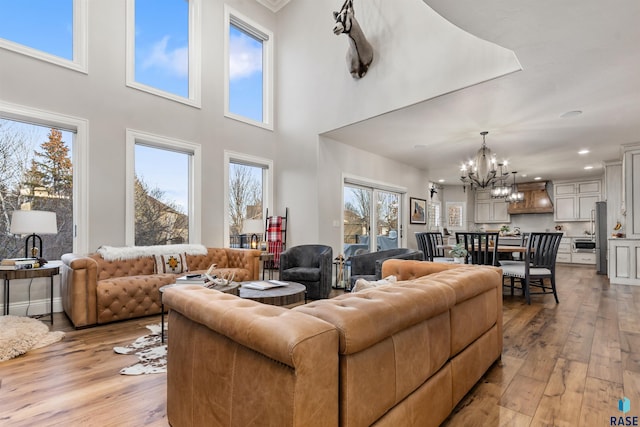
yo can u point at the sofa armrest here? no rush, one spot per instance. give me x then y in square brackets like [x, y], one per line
[248, 259]
[78, 289]
[282, 364]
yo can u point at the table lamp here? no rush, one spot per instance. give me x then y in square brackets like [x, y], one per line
[32, 223]
[253, 227]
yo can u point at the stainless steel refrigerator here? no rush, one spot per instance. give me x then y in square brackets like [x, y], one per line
[601, 235]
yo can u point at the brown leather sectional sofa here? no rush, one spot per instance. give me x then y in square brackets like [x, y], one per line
[96, 291]
[397, 355]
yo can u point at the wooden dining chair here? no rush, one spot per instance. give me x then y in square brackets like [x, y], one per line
[539, 264]
[482, 247]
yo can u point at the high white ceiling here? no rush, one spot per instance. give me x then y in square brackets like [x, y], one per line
[576, 55]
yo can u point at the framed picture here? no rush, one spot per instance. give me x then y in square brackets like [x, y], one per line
[417, 211]
[456, 215]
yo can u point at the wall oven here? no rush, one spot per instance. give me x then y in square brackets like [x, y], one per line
[584, 246]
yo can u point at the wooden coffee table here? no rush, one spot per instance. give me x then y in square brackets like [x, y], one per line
[293, 293]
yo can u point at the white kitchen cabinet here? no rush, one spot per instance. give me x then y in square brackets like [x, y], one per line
[583, 258]
[564, 250]
[490, 210]
[624, 261]
[574, 201]
[631, 168]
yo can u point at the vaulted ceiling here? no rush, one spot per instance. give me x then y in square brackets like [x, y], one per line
[576, 56]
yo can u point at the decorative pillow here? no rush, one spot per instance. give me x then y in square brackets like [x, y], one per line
[171, 263]
[365, 284]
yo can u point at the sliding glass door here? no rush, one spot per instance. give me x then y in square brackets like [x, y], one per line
[372, 219]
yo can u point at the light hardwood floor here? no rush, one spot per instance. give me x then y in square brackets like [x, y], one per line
[562, 365]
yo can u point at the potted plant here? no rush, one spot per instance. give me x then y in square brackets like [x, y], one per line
[504, 230]
[459, 252]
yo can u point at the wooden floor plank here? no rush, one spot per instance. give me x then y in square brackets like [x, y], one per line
[562, 364]
[562, 398]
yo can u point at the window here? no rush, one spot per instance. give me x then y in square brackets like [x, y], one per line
[163, 56]
[42, 167]
[248, 53]
[247, 193]
[371, 209]
[55, 32]
[162, 176]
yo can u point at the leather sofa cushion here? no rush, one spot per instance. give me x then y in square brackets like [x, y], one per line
[392, 339]
[128, 297]
[357, 315]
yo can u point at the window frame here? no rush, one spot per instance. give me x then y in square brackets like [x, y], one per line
[258, 31]
[80, 59]
[80, 161]
[267, 184]
[376, 187]
[195, 56]
[195, 179]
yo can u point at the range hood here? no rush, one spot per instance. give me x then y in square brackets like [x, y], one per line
[536, 199]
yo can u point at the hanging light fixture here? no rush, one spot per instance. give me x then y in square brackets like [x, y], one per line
[481, 171]
[515, 195]
[501, 189]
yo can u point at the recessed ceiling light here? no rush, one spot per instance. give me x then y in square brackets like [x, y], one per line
[571, 114]
[583, 152]
[588, 167]
[524, 175]
[441, 180]
[538, 178]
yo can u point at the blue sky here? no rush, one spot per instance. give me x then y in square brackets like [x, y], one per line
[161, 61]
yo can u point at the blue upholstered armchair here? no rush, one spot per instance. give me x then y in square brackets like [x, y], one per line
[309, 265]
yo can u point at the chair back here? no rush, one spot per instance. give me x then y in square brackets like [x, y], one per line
[482, 247]
[542, 250]
[428, 243]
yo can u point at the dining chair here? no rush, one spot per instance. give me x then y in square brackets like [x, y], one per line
[432, 246]
[539, 264]
[482, 247]
[517, 257]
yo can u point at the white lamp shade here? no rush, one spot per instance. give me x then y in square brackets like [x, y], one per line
[33, 222]
[253, 226]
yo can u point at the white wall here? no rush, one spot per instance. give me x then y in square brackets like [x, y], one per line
[337, 161]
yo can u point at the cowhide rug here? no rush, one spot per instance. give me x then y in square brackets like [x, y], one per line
[152, 354]
[20, 334]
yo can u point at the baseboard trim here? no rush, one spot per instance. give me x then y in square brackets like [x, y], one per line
[35, 307]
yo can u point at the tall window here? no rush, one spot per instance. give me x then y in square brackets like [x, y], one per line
[372, 218]
[161, 197]
[36, 173]
[51, 31]
[162, 53]
[248, 71]
[248, 185]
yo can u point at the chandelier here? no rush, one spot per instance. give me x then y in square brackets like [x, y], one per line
[500, 188]
[481, 171]
[515, 195]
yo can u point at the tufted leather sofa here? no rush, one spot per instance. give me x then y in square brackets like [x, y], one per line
[96, 291]
[397, 355]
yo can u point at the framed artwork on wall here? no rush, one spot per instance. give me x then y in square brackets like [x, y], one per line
[456, 215]
[417, 211]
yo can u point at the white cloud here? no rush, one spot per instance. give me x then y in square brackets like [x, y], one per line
[244, 59]
[176, 61]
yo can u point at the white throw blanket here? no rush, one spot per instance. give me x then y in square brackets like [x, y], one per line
[111, 253]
